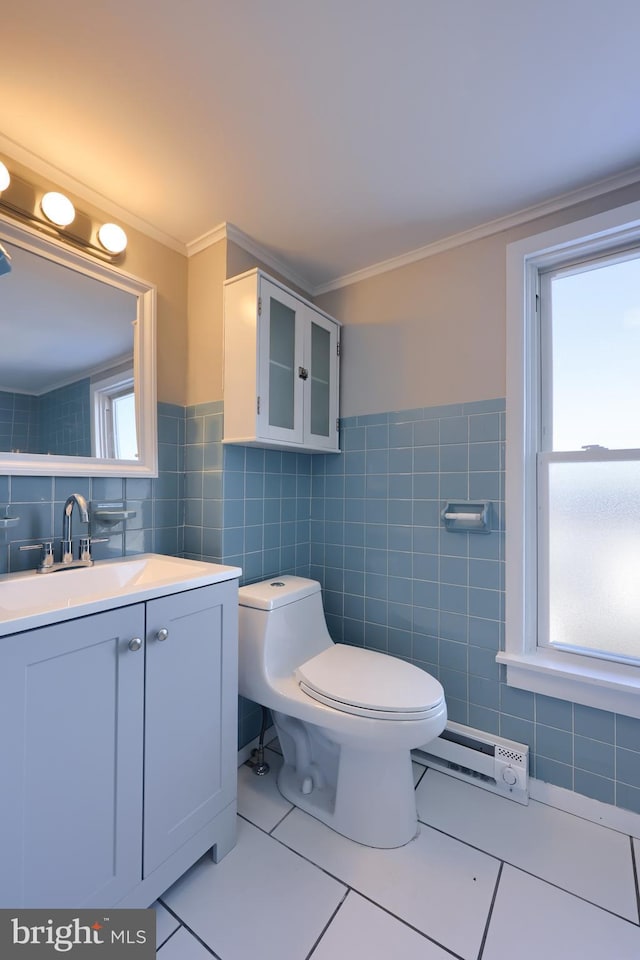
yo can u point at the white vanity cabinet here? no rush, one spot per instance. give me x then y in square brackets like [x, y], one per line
[118, 750]
[281, 367]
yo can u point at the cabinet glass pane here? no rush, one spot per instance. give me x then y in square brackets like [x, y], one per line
[320, 379]
[594, 557]
[282, 334]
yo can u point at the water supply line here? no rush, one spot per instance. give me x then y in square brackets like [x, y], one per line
[256, 761]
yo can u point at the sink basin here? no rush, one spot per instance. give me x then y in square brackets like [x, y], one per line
[29, 599]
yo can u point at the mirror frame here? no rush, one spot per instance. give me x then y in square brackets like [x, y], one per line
[144, 366]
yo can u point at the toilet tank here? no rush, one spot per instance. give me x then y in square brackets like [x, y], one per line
[281, 624]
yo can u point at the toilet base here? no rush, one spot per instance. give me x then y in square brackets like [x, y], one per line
[371, 802]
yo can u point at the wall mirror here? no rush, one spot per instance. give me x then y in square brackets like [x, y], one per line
[77, 363]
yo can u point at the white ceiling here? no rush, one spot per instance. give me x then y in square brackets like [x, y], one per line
[336, 133]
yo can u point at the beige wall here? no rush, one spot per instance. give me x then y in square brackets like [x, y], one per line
[207, 273]
[148, 260]
[433, 332]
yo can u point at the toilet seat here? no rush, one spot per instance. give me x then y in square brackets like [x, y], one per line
[370, 684]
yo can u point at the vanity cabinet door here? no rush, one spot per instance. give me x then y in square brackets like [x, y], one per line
[71, 703]
[190, 763]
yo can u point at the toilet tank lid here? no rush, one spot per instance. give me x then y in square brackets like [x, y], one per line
[276, 592]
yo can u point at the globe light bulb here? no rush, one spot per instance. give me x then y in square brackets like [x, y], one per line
[58, 209]
[112, 237]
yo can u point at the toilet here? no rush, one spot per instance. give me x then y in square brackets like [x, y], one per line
[346, 718]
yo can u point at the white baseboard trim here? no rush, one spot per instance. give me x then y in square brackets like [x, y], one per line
[605, 814]
[245, 752]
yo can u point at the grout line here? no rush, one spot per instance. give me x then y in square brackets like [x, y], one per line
[529, 873]
[490, 914]
[281, 820]
[421, 777]
[635, 875]
[292, 849]
[189, 930]
[169, 909]
[578, 816]
[466, 844]
[166, 939]
[406, 923]
[328, 923]
[361, 894]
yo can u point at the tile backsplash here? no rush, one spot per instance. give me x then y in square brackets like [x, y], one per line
[157, 526]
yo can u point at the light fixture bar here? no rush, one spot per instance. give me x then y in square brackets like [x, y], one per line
[57, 213]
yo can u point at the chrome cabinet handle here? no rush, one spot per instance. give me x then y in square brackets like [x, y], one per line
[162, 634]
[135, 643]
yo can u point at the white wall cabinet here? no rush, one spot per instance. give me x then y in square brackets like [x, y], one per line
[281, 367]
[118, 750]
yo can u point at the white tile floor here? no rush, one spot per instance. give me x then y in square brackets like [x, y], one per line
[485, 879]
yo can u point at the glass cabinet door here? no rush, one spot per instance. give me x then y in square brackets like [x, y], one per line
[282, 358]
[280, 390]
[322, 399]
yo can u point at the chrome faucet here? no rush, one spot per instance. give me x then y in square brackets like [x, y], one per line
[66, 555]
[47, 562]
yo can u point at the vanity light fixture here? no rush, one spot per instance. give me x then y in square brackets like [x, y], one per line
[54, 213]
[112, 237]
[58, 209]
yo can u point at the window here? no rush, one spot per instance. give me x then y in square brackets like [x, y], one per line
[114, 416]
[573, 462]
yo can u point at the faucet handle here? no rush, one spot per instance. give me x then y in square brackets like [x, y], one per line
[85, 546]
[46, 556]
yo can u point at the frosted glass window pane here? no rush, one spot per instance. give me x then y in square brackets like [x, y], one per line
[282, 332]
[596, 357]
[320, 373]
[594, 557]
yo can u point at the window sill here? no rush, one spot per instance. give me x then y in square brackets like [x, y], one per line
[594, 683]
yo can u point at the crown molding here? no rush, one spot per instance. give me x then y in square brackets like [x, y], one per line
[13, 151]
[207, 239]
[229, 231]
[560, 202]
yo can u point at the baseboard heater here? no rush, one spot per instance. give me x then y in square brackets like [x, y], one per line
[494, 763]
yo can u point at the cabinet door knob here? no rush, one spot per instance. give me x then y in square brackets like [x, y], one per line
[135, 643]
[162, 634]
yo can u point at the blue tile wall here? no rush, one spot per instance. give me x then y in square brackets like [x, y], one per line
[56, 422]
[395, 580]
[158, 524]
[64, 420]
[18, 422]
[246, 507]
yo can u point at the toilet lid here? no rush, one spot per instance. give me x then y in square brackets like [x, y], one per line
[369, 683]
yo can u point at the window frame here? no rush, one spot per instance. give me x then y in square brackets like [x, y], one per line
[104, 389]
[599, 683]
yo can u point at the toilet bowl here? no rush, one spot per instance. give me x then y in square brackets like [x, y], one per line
[347, 718]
